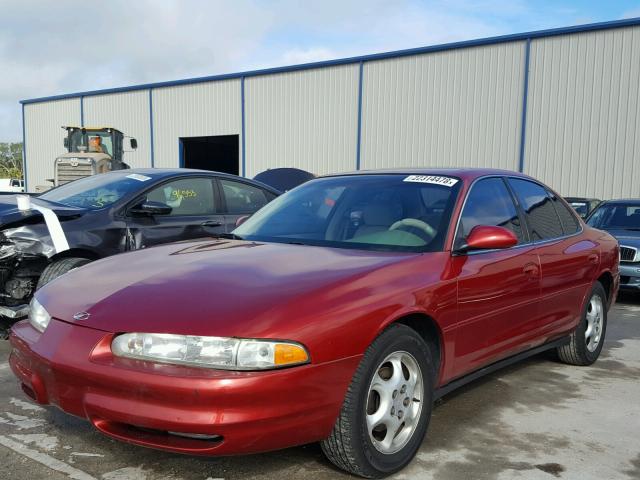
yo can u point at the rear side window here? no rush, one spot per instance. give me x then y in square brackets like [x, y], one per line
[244, 198]
[489, 203]
[567, 218]
[541, 215]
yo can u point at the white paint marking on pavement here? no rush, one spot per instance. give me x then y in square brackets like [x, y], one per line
[41, 440]
[22, 422]
[44, 459]
[127, 473]
[4, 366]
[83, 454]
[25, 405]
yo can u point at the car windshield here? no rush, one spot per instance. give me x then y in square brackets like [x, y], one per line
[408, 213]
[97, 191]
[616, 217]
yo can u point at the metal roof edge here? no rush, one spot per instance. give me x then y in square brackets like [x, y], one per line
[352, 60]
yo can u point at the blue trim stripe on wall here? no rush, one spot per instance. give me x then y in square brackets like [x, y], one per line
[525, 94]
[351, 60]
[82, 111]
[180, 153]
[24, 152]
[151, 126]
[242, 127]
[359, 139]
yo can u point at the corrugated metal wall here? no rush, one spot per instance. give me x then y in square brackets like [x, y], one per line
[192, 111]
[44, 137]
[452, 108]
[129, 113]
[457, 107]
[306, 119]
[583, 116]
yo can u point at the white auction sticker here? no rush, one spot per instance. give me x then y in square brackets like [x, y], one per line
[140, 178]
[434, 179]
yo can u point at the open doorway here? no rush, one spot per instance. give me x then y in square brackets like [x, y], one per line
[219, 153]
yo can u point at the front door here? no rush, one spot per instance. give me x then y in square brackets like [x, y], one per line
[194, 213]
[498, 290]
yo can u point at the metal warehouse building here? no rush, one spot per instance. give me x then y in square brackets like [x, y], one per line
[562, 105]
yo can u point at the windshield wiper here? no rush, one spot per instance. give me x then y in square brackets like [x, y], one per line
[633, 229]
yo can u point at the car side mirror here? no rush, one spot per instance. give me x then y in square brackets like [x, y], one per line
[149, 207]
[241, 220]
[486, 237]
[134, 143]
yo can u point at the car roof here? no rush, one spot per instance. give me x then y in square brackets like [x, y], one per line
[469, 174]
[159, 173]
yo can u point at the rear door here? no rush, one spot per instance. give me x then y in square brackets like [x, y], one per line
[568, 260]
[498, 290]
[240, 199]
[195, 212]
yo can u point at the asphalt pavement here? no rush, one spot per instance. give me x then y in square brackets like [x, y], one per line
[536, 420]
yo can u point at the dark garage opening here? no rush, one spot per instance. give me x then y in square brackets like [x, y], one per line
[219, 153]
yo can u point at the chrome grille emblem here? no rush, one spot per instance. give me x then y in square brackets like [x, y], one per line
[81, 316]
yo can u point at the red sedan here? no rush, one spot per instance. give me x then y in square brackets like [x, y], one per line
[337, 313]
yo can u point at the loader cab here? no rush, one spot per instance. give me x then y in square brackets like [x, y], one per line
[90, 151]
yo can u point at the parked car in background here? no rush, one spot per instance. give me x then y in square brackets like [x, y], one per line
[12, 185]
[119, 211]
[337, 313]
[621, 218]
[584, 206]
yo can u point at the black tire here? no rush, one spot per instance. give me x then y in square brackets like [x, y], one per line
[576, 352]
[60, 267]
[349, 446]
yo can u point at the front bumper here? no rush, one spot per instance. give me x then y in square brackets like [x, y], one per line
[139, 402]
[630, 276]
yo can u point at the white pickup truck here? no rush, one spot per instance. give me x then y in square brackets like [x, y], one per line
[11, 185]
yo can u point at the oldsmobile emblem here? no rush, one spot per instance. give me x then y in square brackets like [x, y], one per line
[81, 316]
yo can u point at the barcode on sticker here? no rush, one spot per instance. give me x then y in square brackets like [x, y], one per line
[434, 179]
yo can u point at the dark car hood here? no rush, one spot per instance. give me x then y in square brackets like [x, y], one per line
[216, 287]
[9, 213]
[626, 237]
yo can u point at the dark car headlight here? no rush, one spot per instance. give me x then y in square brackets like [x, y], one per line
[39, 318]
[210, 352]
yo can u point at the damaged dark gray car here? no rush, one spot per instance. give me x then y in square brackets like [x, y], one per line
[43, 237]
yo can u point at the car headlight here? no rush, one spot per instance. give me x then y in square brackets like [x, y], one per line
[210, 352]
[39, 318]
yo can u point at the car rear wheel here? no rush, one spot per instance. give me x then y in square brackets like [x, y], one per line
[60, 267]
[387, 407]
[588, 338]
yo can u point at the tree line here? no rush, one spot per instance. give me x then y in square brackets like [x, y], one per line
[11, 160]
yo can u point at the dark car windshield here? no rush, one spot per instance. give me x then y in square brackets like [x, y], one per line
[374, 212]
[97, 191]
[616, 216]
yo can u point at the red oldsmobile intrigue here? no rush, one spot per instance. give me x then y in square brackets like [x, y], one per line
[337, 313]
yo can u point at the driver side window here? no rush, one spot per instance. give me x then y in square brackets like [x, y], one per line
[186, 196]
[489, 203]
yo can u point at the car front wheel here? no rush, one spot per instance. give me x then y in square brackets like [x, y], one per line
[60, 267]
[387, 407]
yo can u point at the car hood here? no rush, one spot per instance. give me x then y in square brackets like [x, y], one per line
[629, 238]
[10, 214]
[216, 287]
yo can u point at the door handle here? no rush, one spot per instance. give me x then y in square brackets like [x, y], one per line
[530, 270]
[211, 223]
